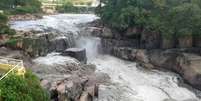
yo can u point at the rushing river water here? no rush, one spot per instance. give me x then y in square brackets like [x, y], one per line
[129, 83]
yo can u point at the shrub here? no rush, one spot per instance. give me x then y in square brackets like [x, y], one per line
[4, 28]
[66, 7]
[21, 6]
[17, 88]
[3, 18]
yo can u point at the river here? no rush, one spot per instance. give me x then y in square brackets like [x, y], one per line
[129, 81]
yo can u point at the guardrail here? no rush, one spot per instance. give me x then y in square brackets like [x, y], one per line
[9, 65]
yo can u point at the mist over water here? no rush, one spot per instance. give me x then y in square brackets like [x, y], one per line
[91, 44]
[129, 83]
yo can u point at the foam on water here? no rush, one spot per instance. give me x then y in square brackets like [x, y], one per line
[55, 58]
[132, 83]
[140, 84]
[62, 22]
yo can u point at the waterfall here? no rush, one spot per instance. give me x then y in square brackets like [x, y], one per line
[91, 44]
[129, 83]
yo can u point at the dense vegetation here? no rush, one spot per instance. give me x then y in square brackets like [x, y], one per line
[17, 88]
[20, 6]
[169, 17]
[68, 7]
[4, 28]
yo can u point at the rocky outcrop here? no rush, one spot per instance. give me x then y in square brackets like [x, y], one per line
[108, 44]
[67, 79]
[188, 65]
[39, 44]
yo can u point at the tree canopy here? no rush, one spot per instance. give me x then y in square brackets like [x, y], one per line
[181, 17]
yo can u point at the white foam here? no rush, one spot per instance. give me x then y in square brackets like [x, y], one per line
[143, 85]
[55, 58]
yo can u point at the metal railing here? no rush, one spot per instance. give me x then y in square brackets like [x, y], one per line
[9, 65]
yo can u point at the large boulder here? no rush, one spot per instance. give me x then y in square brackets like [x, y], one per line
[78, 53]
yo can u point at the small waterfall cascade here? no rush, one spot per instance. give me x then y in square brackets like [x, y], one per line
[129, 83]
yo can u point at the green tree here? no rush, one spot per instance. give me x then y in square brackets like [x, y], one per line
[165, 16]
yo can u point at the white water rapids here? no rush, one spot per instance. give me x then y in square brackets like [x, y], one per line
[129, 83]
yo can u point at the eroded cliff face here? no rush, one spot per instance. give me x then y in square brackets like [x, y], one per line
[41, 44]
[153, 52]
[186, 64]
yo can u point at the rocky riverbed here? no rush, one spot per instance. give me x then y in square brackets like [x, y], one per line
[104, 77]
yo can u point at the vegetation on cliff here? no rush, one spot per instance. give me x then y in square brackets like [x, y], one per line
[4, 28]
[169, 17]
[68, 7]
[20, 6]
[17, 88]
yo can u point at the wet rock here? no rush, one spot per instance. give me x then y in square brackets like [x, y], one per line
[167, 43]
[150, 40]
[94, 31]
[185, 42]
[25, 17]
[187, 65]
[131, 54]
[68, 79]
[133, 32]
[107, 33]
[41, 44]
[197, 41]
[125, 53]
[85, 97]
[59, 44]
[78, 53]
[95, 23]
[109, 93]
[109, 44]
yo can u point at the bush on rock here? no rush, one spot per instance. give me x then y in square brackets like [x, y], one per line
[17, 88]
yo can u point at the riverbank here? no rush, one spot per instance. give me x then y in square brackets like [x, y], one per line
[127, 83]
